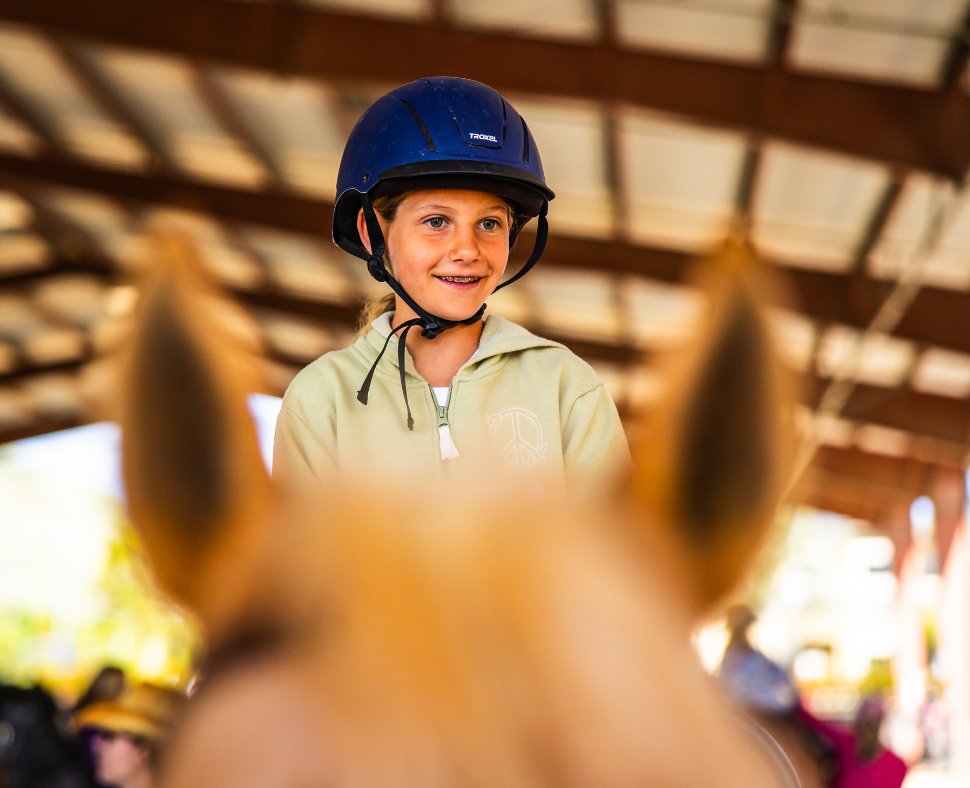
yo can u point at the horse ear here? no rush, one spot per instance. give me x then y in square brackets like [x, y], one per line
[196, 488]
[714, 455]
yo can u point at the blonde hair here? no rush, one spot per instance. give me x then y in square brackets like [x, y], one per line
[374, 307]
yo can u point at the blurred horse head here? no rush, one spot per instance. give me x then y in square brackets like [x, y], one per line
[392, 634]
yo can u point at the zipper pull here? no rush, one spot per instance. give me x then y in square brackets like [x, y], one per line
[448, 449]
[445, 442]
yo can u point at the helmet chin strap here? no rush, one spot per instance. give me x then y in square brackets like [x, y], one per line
[542, 233]
[431, 324]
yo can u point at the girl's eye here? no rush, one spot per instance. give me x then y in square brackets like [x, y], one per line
[491, 224]
[435, 222]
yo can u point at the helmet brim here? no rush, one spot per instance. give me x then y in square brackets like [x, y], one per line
[508, 182]
[526, 197]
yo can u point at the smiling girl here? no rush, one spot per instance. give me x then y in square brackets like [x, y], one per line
[437, 179]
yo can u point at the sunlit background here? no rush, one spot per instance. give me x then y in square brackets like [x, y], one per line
[75, 592]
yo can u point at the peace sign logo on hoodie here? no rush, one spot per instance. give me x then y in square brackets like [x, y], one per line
[517, 435]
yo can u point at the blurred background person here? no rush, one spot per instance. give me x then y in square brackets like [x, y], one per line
[764, 690]
[874, 765]
[129, 733]
[750, 677]
[822, 753]
[107, 684]
[36, 748]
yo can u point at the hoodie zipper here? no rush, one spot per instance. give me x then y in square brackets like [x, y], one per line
[445, 442]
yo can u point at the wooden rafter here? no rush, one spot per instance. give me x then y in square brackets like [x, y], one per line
[907, 127]
[957, 59]
[878, 221]
[822, 296]
[106, 98]
[284, 210]
[941, 424]
[233, 124]
[861, 484]
[30, 370]
[779, 32]
[871, 501]
[39, 426]
[25, 114]
[919, 413]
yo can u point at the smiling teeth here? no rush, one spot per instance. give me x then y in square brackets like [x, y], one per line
[460, 279]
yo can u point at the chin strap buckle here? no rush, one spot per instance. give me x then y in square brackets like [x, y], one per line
[375, 267]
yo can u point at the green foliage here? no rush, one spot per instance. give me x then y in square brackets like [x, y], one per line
[879, 679]
[134, 627]
[140, 630]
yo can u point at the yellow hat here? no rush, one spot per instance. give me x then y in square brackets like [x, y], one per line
[144, 710]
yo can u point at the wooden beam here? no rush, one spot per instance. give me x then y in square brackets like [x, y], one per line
[25, 114]
[282, 209]
[861, 484]
[325, 313]
[878, 221]
[104, 96]
[850, 481]
[939, 425]
[233, 124]
[901, 126]
[33, 370]
[936, 317]
[851, 497]
[956, 60]
[907, 474]
[33, 428]
[779, 33]
[931, 415]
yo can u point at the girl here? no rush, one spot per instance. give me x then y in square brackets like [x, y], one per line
[436, 181]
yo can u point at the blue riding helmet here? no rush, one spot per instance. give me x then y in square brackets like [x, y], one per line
[439, 132]
[434, 133]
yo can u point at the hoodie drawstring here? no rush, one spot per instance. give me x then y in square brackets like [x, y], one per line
[362, 394]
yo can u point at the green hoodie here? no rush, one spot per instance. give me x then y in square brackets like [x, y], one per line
[521, 405]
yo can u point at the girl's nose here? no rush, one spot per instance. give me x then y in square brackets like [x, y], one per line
[464, 246]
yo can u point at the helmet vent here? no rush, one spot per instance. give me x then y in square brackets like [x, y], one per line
[428, 140]
[525, 141]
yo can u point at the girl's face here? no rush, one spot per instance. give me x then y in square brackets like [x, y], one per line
[448, 248]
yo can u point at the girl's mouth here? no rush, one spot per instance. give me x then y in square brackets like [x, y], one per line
[459, 280]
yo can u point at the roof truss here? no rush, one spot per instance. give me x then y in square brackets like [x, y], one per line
[906, 127]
